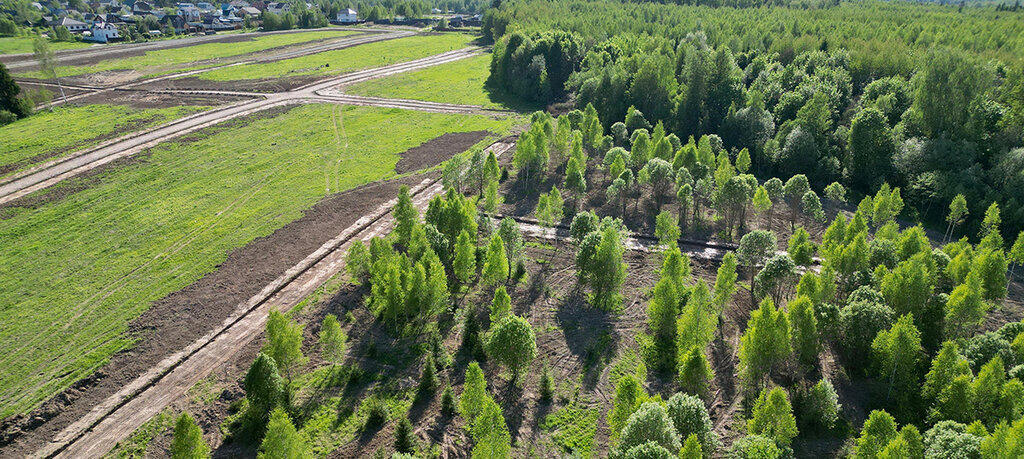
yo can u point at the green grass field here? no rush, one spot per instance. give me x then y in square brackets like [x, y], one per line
[21, 45]
[31, 141]
[74, 272]
[164, 60]
[459, 82]
[346, 60]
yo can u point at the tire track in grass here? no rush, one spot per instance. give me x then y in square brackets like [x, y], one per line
[88, 305]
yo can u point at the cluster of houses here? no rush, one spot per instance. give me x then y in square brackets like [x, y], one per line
[187, 18]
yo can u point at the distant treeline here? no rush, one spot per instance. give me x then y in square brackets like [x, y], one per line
[924, 97]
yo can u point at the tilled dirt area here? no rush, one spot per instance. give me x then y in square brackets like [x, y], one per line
[181, 318]
[259, 86]
[437, 150]
[143, 100]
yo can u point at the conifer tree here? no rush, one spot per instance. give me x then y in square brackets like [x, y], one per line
[496, 264]
[691, 448]
[804, 330]
[695, 372]
[284, 343]
[947, 365]
[629, 394]
[897, 356]
[332, 340]
[773, 417]
[188, 440]
[282, 440]
[464, 265]
[725, 282]
[878, 431]
[762, 203]
[965, 308]
[405, 440]
[764, 345]
[405, 215]
[501, 306]
[474, 392]
[661, 317]
[667, 230]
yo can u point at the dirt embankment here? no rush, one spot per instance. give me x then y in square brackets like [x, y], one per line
[437, 150]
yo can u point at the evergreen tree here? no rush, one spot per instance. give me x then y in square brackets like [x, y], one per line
[263, 387]
[725, 282]
[667, 230]
[773, 417]
[405, 216]
[405, 439]
[804, 330]
[897, 355]
[691, 448]
[628, 397]
[801, 249]
[474, 392]
[428, 376]
[464, 265]
[695, 372]
[947, 365]
[496, 264]
[188, 440]
[332, 340]
[661, 318]
[282, 440]
[501, 306]
[821, 405]
[284, 343]
[965, 308]
[357, 262]
[765, 343]
[988, 390]
[878, 431]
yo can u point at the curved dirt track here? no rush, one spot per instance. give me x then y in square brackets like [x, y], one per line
[50, 173]
[121, 414]
[264, 56]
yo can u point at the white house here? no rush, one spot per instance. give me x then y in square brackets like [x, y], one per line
[278, 7]
[103, 32]
[348, 15]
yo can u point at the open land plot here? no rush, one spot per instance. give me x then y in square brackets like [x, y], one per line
[30, 141]
[77, 269]
[460, 82]
[345, 60]
[156, 62]
[21, 45]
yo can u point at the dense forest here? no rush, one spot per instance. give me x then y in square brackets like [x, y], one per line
[926, 98]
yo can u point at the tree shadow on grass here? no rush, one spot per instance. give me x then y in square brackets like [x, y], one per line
[589, 334]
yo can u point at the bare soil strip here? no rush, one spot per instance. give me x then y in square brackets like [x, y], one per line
[121, 414]
[47, 174]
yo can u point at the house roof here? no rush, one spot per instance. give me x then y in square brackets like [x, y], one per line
[66, 21]
[349, 11]
[250, 10]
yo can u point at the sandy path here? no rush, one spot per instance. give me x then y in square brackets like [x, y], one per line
[50, 173]
[121, 414]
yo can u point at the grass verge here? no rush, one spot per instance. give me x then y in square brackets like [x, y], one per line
[459, 82]
[23, 45]
[31, 141]
[74, 272]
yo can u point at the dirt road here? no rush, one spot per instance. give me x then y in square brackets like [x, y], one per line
[77, 56]
[50, 173]
[121, 414]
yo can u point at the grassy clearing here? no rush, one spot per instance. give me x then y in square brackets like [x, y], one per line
[165, 60]
[346, 60]
[31, 140]
[459, 82]
[573, 428]
[23, 45]
[74, 272]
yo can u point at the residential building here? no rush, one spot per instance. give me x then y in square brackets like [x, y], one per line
[347, 16]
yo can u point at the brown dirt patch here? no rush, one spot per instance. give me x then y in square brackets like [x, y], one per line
[182, 317]
[437, 150]
[145, 100]
[258, 86]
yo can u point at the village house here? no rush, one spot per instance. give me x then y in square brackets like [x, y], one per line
[103, 32]
[347, 16]
[278, 7]
[142, 8]
[72, 25]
